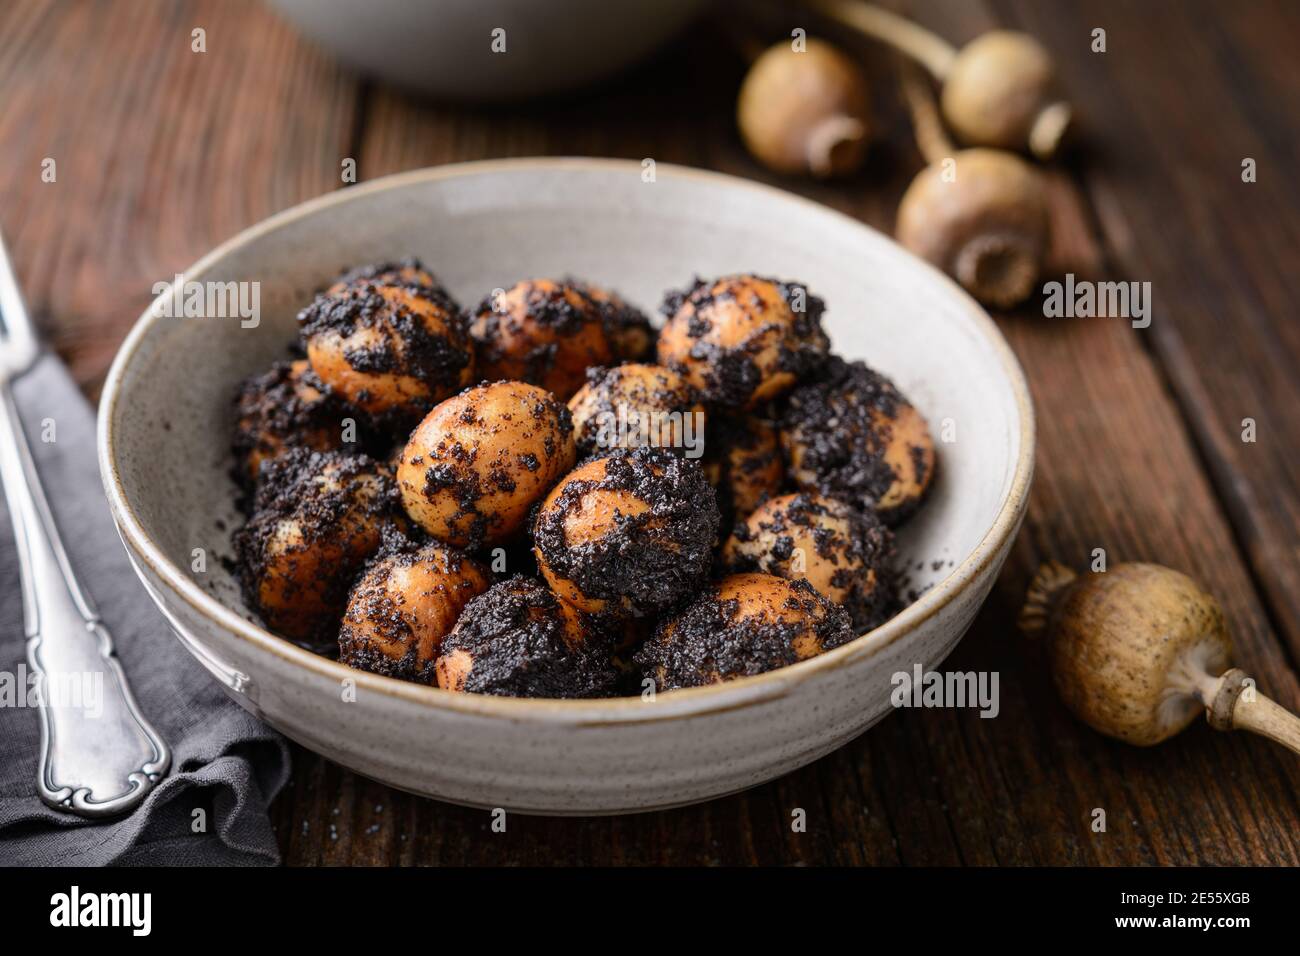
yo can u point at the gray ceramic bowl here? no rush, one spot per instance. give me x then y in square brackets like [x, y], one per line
[445, 47]
[166, 415]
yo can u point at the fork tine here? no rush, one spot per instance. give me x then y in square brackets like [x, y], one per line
[15, 324]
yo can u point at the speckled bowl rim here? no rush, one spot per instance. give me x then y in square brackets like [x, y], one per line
[688, 702]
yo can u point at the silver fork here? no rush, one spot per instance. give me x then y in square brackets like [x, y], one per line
[99, 756]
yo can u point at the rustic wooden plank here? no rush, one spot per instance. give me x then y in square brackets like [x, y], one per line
[1188, 90]
[1118, 469]
[161, 152]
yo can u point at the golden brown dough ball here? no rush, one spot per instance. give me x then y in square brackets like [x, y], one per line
[742, 340]
[316, 518]
[407, 601]
[742, 459]
[394, 349]
[630, 333]
[637, 404]
[285, 407]
[745, 624]
[519, 640]
[842, 552]
[630, 533]
[479, 461]
[543, 332]
[851, 435]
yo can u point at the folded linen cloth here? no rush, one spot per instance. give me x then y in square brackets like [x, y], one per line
[224, 761]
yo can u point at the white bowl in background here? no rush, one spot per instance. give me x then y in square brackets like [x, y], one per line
[166, 416]
[445, 47]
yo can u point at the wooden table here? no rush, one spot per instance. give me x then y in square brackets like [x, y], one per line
[161, 153]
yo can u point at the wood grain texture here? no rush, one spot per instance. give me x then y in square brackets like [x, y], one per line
[168, 152]
[1183, 94]
[160, 152]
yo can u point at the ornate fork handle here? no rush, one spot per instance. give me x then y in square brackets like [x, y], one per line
[99, 756]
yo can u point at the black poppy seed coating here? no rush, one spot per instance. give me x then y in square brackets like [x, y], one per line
[917, 454]
[547, 307]
[341, 520]
[408, 271]
[633, 393]
[741, 459]
[277, 410]
[711, 638]
[647, 561]
[843, 448]
[516, 636]
[627, 326]
[469, 473]
[375, 612]
[732, 374]
[551, 309]
[391, 625]
[289, 484]
[358, 304]
[409, 347]
[868, 545]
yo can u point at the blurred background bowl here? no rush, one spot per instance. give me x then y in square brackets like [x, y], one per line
[445, 47]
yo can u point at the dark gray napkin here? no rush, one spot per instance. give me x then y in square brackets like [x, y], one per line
[224, 761]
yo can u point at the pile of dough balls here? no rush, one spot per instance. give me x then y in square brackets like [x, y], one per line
[546, 496]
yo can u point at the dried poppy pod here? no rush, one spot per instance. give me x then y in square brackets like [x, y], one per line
[317, 517]
[479, 461]
[742, 340]
[519, 640]
[842, 552]
[805, 111]
[1138, 651]
[543, 332]
[390, 347]
[745, 624]
[983, 220]
[403, 606]
[852, 435]
[629, 533]
[978, 214]
[637, 404]
[1000, 90]
[285, 407]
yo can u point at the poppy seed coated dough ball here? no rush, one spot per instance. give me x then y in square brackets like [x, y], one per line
[542, 332]
[630, 333]
[402, 607]
[742, 459]
[745, 624]
[392, 349]
[317, 517]
[630, 533]
[519, 640]
[478, 462]
[285, 407]
[742, 340]
[842, 552]
[636, 404]
[851, 435]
